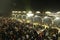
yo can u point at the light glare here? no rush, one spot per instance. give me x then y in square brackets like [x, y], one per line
[24, 11]
[36, 15]
[47, 12]
[37, 11]
[45, 17]
[57, 18]
[19, 11]
[58, 12]
[30, 14]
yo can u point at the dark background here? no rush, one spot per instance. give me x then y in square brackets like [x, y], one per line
[53, 5]
[6, 6]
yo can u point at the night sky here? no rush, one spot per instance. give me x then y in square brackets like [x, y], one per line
[41, 5]
[7, 6]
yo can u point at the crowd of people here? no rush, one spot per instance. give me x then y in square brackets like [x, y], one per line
[11, 29]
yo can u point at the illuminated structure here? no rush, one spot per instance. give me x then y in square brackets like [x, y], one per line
[36, 17]
[30, 14]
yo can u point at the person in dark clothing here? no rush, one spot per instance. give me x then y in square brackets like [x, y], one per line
[41, 36]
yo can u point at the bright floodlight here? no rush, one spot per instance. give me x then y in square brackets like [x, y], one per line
[24, 11]
[57, 18]
[19, 11]
[58, 12]
[47, 12]
[13, 11]
[37, 11]
[30, 14]
[36, 15]
[46, 17]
